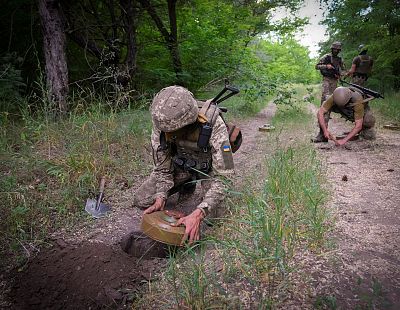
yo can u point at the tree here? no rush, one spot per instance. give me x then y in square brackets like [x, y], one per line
[54, 51]
[374, 23]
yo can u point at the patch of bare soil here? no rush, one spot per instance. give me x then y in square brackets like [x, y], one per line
[362, 270]
[85, 267]
[88, 276]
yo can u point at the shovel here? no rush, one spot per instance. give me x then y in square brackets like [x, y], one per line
[95, 207]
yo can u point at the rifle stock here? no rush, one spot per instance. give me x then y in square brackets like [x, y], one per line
[367, 91]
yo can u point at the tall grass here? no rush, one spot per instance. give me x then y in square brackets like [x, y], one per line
[50, 167]
[255, 246]
[389, 107]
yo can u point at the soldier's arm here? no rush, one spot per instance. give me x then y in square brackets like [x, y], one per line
[358, 116]
[355, 63]
[321, 64]
[223, 168]
[325, 107]
[163, 168]
[351, 71]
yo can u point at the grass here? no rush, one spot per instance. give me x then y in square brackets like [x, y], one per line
[388, 108]
[49, 168]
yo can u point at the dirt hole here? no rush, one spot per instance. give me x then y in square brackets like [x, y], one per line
[140, 246]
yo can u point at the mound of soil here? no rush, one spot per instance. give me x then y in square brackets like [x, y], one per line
[88, 276]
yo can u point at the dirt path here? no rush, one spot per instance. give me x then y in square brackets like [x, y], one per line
[363, 268]
[85, 268]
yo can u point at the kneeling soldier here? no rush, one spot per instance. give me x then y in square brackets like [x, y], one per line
[178, 159]
[352, 104]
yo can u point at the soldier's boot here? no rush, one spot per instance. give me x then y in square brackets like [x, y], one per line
[368, 134]
[320, 136]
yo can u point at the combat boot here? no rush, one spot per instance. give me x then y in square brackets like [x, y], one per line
[319, 138]
[368, 134]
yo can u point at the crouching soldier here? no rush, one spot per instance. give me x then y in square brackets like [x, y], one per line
[180, 160]
[352, 104]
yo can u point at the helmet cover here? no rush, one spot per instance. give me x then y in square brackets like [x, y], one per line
[336, 45]
[172, 108]
[341, 96]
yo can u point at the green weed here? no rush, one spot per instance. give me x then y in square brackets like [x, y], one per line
[389, 107]
[50, 167]
[325, 302]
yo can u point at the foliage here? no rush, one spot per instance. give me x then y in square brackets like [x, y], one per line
[389, 108]
[372, 23]
[214, 40]
[12, 85]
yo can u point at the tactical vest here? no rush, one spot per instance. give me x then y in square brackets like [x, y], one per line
[183, 143]
[335, 61]
[364, 68]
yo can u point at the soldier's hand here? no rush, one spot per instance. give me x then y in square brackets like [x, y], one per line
[340, 142]
[158, 205]
[192, 226]
[329, 66]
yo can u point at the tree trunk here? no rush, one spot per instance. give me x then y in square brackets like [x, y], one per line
[130, 25]
[54, 52]
[171, 39]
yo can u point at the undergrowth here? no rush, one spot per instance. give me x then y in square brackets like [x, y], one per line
[49, 168]
[389, 108]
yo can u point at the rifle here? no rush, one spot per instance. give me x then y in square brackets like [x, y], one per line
[366, 91]
[206, 128]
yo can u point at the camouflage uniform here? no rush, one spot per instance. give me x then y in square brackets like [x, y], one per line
[353, 110]
[330, 78]
[178, 161]
[329, 81]
[363, 65]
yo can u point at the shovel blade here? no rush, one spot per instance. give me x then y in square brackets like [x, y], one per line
[101, 211]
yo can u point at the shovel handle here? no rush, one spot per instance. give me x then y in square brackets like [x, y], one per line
[102, 184]
[101, 192]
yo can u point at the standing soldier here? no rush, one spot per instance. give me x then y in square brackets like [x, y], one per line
[180, 162]
[361, 66]
[330, 66]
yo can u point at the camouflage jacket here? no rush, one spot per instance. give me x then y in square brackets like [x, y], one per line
[336, 61]
[218, 154]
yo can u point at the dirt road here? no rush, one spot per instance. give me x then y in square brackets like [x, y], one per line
[362, 268]
[87, 268]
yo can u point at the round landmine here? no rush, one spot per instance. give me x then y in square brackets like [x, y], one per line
[266, 127]
[158, 226]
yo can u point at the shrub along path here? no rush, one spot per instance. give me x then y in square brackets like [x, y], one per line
[86, 268]
[361, 270]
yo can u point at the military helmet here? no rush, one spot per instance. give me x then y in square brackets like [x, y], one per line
[336, 45]
[362, 48]
[172, 108]
[341, 96]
